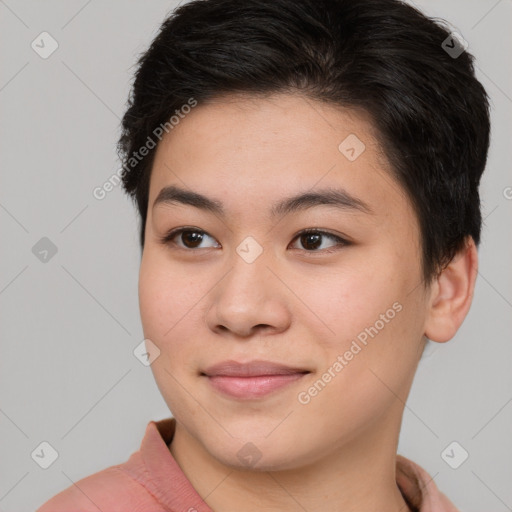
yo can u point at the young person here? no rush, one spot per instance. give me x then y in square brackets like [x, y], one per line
[306, 173]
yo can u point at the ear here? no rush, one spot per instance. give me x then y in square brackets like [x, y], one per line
[452, 294]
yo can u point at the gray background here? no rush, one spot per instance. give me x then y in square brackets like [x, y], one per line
[68, 375]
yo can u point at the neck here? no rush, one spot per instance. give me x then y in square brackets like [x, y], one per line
[357, 475]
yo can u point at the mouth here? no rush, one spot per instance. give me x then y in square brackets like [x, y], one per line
[251, 380]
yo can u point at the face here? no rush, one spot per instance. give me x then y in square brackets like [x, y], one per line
[327, 326]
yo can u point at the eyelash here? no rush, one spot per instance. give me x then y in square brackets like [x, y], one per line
[168, 239]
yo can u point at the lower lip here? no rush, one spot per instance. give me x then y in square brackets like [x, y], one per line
[252, 387]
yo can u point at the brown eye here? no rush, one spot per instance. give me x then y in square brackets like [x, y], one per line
[190, 238]
[313, 239]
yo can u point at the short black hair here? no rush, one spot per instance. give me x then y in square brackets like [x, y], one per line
[383, 56]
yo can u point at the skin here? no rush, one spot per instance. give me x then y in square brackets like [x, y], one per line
[296, 304]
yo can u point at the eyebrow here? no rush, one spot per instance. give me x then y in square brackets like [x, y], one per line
[339, 198]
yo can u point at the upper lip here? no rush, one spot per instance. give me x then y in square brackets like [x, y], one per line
[251, 369]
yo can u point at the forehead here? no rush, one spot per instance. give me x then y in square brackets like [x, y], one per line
[252, 150]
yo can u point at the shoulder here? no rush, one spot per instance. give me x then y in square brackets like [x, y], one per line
[112, 489]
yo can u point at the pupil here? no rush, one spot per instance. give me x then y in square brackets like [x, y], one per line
[192, 237]
[315, 237]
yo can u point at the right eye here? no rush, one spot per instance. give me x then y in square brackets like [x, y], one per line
[190, 237]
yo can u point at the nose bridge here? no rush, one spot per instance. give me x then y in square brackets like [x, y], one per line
[248, 280]
[247, 297]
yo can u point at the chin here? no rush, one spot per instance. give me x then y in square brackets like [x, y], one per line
[258, 458]
[250, 452]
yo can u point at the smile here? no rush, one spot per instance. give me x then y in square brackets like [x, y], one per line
[252, 380]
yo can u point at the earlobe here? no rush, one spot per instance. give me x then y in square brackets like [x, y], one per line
[452, 294]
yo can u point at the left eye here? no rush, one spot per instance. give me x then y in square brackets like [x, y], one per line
[311, 239]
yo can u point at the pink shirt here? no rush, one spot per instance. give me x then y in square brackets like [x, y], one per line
[151, 481]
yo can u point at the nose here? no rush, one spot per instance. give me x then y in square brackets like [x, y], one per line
[250, 300]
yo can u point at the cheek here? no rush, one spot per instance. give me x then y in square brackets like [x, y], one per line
[366, 374]
[348, 301]
[374, 320]
[153, 303]
[166, 298]
[166, 292]
[169, 311]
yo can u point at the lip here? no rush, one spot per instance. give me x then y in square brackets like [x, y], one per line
[251, 380]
